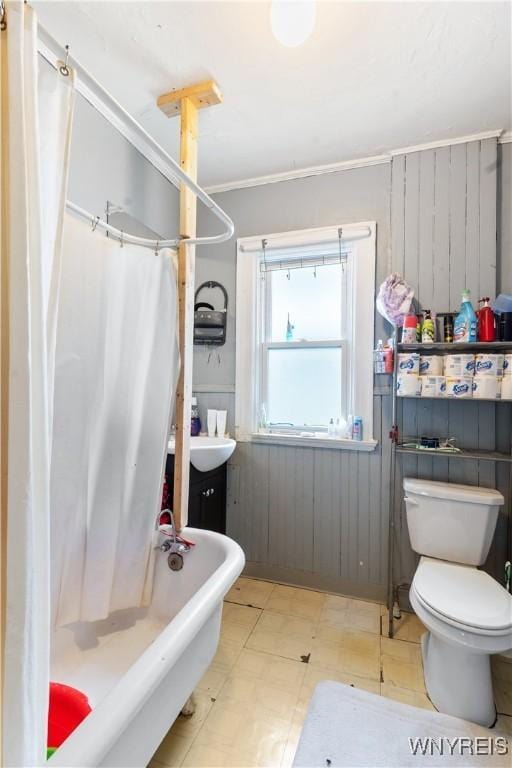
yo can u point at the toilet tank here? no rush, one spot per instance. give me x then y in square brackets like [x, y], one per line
[449, 521]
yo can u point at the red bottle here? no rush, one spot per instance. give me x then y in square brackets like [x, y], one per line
[486, 322]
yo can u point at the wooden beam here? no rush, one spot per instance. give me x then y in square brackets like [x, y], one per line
[201, 95]
[186, 285]
[186, 103]
[4, 359]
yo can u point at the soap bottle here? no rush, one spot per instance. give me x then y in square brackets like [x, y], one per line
[464, 328]
[195, 421]
[486, 321]
[427, 328]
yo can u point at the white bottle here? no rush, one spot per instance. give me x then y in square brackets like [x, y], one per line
[350, 427]
[378, 358]
[330, 428]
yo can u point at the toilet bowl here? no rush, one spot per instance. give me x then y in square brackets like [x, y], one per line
[467, 613]
[468, 616]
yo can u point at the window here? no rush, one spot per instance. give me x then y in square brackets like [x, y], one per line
[305, 332]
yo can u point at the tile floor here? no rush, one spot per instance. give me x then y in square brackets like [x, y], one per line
[277, 642]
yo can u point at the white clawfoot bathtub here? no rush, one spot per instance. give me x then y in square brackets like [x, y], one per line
[138, 667]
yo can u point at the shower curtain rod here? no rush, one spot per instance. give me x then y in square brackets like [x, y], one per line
[117, 116]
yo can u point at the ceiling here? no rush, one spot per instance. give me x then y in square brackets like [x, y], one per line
[372, 77]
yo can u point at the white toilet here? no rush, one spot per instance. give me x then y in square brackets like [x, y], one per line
[467, 613]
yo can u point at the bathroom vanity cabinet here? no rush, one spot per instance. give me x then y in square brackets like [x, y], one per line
[207, 498]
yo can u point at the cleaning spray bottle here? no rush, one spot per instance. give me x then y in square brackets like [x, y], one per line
[486, 322]
[464, 329]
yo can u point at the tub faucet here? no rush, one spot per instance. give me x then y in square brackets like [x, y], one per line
[175, 547]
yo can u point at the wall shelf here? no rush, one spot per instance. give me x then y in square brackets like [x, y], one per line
[463, 454]
[398, 449]
[440, 346]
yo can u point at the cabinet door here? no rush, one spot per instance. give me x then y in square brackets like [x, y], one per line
[195, 514]
[213, 505]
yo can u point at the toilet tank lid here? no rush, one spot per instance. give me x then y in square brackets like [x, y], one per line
[471, 494]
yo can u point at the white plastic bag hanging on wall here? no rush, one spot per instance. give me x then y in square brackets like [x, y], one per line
[394, 299]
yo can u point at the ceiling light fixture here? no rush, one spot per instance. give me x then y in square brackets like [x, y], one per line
[292, 21]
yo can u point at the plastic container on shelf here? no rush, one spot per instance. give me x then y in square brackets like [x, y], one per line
[464, 329]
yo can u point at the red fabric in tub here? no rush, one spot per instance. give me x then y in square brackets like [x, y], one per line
[68, 707]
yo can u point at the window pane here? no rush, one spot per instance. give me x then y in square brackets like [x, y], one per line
[304, 386]
[312, 303]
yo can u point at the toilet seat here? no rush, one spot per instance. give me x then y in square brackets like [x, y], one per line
[463, 596]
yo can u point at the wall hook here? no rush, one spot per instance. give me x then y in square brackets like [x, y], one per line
[64, 69]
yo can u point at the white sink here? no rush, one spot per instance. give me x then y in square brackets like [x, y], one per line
[207, 452]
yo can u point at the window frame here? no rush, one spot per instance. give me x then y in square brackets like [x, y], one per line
[356, 344]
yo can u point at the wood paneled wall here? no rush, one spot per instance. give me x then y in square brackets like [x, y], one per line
[443, 222]
[319, 517]
[443, 216]
[313, 516]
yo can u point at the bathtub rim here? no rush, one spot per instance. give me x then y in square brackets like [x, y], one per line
[94, 738]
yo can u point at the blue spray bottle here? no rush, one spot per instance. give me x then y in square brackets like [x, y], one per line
[464, 328]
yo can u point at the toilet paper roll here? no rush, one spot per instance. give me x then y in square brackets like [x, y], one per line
[459, 365]
[408, 385]
[433, 386]
[409, 362]
[459, 386]
[507, 365]
[506, 388]
[489, 365]
[487, 387]
[431, 365]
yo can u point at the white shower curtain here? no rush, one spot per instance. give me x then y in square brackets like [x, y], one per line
[32, 202]
[89, 353]
[115, 376]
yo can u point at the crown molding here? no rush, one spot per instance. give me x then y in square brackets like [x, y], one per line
[301, 173]
[363, 162]
[447, 142]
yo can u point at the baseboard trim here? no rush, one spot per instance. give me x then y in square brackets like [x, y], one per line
[296, 578]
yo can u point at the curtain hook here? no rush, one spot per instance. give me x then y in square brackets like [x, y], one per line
[157, 244]
[95, 223]
[288, 275]
[314, 271]
[121, 239]
[3, 19]
[340, 235]
[64, 69]
[264, 244]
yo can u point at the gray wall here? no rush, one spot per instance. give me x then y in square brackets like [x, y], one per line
[316, 516]
[319, 517]
[105, 166]
[505, 218]
[444, 230]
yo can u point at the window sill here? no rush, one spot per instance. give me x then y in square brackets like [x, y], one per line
[337, 444]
